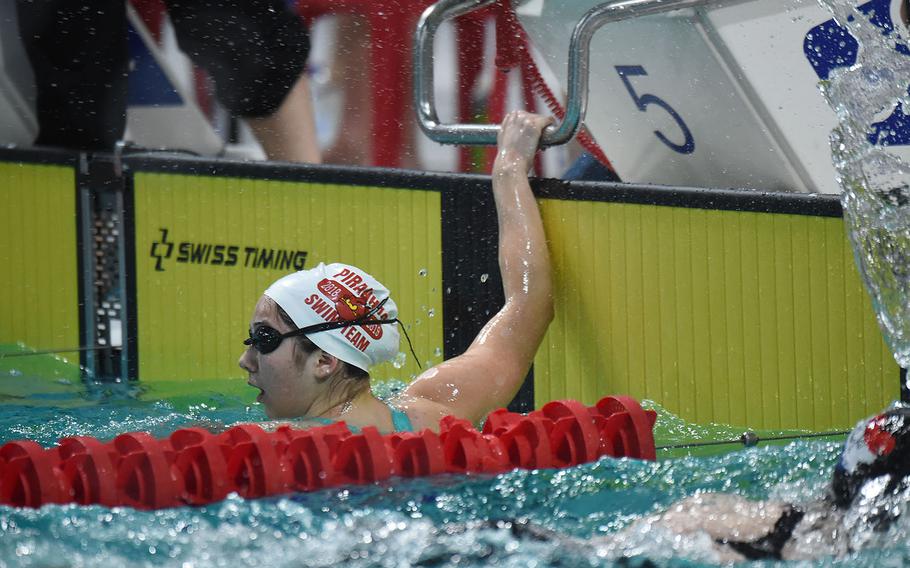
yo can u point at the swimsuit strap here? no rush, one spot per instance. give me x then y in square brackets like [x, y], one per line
[400, 421]
[770, 545]
[327, 421]
[319, 420]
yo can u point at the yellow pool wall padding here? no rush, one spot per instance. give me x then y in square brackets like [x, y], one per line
[192, 318]
[743, 318]
[39, 305]
[752, 319]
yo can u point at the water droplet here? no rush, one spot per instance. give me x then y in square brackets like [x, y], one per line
[399, 360]
[422, 272]
[15, 373]
[438, 352]
[484, 277]
[431, 313]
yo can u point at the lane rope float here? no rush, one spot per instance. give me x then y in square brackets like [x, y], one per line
[194, 466]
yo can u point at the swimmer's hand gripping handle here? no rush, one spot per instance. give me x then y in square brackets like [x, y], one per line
[579, 59]
[424, 102]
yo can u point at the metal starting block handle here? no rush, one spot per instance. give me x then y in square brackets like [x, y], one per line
[579, 60]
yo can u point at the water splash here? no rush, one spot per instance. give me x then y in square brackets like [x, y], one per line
[875, 182]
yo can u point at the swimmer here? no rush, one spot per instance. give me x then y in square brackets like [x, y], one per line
[869, 490]
[315, 334]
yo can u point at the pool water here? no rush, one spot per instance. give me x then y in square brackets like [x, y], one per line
[441, 521]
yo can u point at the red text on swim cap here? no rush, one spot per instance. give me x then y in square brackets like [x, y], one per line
[337, 294]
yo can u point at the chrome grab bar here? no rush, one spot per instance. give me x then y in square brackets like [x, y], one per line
[579, 59]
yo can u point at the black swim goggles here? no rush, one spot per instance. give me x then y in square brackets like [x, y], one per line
[267, 339]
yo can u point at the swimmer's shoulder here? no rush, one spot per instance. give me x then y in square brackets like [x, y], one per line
[424, 413]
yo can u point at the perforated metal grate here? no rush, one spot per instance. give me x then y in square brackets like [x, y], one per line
[108, 317]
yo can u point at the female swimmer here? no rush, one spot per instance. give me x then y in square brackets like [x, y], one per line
[343, 321]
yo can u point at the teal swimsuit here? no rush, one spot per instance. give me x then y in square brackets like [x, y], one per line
[400, 420]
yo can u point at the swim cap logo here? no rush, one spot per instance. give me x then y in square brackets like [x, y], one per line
[879, 441]
[347, 305]
[350, 308]
[216, 254]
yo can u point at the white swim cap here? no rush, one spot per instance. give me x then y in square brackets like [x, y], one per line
[340, 292]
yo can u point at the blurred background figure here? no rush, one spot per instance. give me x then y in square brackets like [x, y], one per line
[306, 80]
[369, 74]
[82, 54]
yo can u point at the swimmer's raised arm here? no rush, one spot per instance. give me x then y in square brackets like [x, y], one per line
[490, 372]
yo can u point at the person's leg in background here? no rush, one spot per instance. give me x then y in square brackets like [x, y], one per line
[256, 52]
[289, 133]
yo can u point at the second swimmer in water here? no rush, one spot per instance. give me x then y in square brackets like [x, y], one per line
[868, 492]
[315, 334]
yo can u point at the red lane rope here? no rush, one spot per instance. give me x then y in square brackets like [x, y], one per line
[195, 467]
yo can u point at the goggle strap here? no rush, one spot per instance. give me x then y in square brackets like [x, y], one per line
[328, 326]
[410, 345]
[377, 307]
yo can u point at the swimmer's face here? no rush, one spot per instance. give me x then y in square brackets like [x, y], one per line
[279, 375]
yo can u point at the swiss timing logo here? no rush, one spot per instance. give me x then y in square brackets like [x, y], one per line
[161, 250]
[217, 254]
